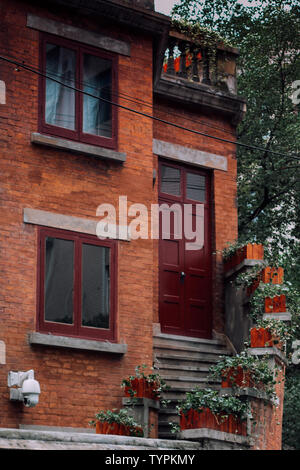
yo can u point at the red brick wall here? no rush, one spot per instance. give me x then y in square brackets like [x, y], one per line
[74, 384]
[267, 418]
[224, 211]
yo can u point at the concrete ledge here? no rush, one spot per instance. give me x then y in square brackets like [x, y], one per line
[147, 402]
[71, 32]
[268, 353]
[245, 392]
[221, 438]
[36, 427]
[50, 440]
[187, 155]
[76, 343]
[75, 224]
[246, 263]
[77, 147]
[283, 316]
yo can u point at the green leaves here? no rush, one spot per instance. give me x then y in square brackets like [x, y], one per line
[207, 398]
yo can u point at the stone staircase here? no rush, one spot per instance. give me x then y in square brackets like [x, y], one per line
[183, 362]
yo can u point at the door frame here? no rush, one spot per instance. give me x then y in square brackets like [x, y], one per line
[208, 208]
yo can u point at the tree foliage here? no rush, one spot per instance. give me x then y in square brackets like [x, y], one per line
[267, 34]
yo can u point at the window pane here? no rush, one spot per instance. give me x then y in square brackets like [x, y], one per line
[170, 180]
[195, 187]
[95, 286]
[60, 101]
[58, 287]
[97, 80]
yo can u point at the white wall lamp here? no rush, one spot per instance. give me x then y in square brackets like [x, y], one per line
[23, 387]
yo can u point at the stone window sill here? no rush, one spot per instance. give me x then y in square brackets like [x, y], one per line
[44, 339]
[77, 147]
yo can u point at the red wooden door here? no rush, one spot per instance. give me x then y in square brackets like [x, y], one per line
[185, 273]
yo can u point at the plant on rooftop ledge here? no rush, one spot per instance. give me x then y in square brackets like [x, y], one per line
[200, 35]
[205, 408]
[117, 422]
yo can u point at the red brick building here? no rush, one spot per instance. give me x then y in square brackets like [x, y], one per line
[89, 114]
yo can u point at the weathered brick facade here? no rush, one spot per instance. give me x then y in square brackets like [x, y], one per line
[74, 383]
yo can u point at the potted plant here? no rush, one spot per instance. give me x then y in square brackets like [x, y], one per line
[117, 422]
[260, 303]
[243, 371]
[205, 408]
[275, 304]
[236, 252]
[143, 385]
[270, 332]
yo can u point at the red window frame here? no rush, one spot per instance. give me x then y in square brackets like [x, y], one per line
[76, 329]
[77, 134]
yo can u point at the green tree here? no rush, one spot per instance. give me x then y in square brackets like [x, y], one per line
[267, 34]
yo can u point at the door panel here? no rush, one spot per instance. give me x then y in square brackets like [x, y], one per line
[185, 274]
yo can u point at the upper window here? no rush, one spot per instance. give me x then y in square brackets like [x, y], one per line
[77, 275]
[76, 91]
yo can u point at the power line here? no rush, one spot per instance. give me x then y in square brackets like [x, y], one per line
[138, 101]
[140, 113]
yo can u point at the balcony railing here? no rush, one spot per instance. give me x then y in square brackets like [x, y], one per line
[189, 61]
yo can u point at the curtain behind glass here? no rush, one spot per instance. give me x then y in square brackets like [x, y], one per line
[60, 101]
[59, 281]
[95, 286]
[97, 80]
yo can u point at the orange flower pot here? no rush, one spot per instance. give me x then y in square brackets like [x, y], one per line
[142, 389]
[250, 251]
[238, 377]
[103, 427]
[272, 275]
[276, 304]
[204, 418]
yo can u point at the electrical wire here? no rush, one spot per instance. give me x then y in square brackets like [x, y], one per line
[140, 113]
[139, 101]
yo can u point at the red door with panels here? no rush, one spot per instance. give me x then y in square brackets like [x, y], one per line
[184, 251]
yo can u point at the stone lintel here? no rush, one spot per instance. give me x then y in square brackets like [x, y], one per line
[74, 33]
[76, 343]
[75, 224]
[187, 155]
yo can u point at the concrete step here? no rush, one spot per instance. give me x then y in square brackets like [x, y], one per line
[185, 358]
[184, 363]
[187, 340]
[188, 383]
[174, 370]
[191, 349]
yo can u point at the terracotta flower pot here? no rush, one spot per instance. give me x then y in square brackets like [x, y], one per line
[204, 418]
[238, 377]
[276, 304]
[260, 338]
[272, 275]
[249, 251]
[103, 427]
[142, 389]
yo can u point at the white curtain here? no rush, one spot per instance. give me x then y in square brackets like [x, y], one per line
[60, 100]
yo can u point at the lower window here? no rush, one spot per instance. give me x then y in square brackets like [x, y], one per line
[76, 285]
